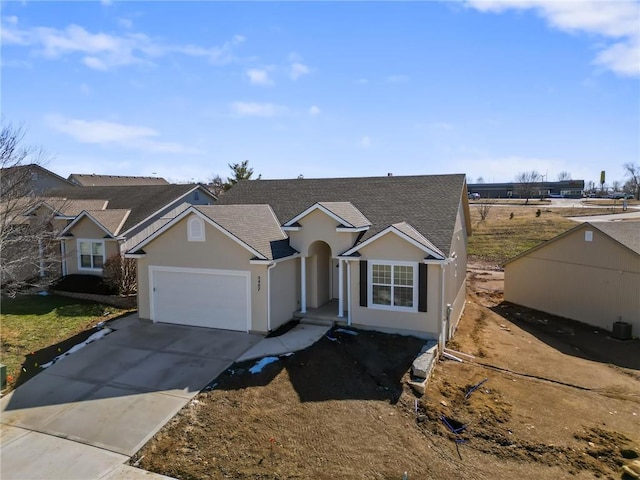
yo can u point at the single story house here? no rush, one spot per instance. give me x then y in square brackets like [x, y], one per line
[94, 235]
[590, 273]
[386, 253]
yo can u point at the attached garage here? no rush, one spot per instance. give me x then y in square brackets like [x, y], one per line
[200, 297]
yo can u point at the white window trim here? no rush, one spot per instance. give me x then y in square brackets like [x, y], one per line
[90, 240]
[393, 308]
[196, 238]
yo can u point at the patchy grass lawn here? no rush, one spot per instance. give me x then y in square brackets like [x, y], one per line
[31, 323]
[501, 236]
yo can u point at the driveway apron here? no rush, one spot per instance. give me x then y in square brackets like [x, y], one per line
[97, 407]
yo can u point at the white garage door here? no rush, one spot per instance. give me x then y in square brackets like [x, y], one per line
[200, 297]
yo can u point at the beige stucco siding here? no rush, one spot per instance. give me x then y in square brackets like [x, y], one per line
[284, 288]
[390, 247]
[86, 229]
[320, 226]
[218, 252]
[455, 272]
[594, 282]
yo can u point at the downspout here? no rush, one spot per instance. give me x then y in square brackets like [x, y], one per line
[442, 317]
[348, 292]
[269, 267]
[41, 257]
[63, 253]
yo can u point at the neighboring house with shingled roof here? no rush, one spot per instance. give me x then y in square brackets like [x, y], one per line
[95, 234]
[386, 253]
[590, 273]
[93, 180]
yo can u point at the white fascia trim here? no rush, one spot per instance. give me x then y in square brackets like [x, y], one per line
[317, 206]
[273, 262]
[41, 203]
[155, 214]
[291, 229]
[445, 261]
[192, 209]
[402, 235]
[354, 229]
[84, 213]
[124, 219]
[135, 255]
[64, 217]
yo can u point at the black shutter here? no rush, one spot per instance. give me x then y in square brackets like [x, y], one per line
[422, 287]
[363, 283]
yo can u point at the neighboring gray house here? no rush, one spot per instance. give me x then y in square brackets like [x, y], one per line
[29, 180]
[95, 235]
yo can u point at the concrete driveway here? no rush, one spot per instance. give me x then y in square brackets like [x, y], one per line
[87, 414]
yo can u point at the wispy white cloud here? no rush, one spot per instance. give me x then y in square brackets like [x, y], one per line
[314, 110]
[297, 68]
[125, 22]
[617, 21]
[85, 89]
[104, 132]
[397, 79]
[362, 81]
[260, 76]
[365, 141]
[103, 51]
[255, 109]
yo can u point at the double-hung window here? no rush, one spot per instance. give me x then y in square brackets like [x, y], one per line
[90, 254]
[393, 285]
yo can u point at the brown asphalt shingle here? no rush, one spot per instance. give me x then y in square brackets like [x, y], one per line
[350, 214]
[429, 203]
[112, 220]
[255, 225]
[142, 200]
[627, 233]
[91, 180]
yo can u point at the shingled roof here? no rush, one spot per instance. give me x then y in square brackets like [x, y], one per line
[93, 180]
[142, 200]
[626, 233]
[254, 225]
[429, 203]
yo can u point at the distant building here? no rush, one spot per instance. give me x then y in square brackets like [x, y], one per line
[29, 180]
[93, 180]
[565, 189]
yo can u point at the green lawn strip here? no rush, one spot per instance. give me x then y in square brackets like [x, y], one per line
[31, 323]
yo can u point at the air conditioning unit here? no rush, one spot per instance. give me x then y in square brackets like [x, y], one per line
[621, 331]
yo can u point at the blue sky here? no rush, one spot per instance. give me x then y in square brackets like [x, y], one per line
[181, 89]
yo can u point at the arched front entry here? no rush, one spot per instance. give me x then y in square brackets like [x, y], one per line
[318, 274]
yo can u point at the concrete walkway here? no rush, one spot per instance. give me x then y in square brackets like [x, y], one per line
[629, 215]
[86, 415]
[298, 338]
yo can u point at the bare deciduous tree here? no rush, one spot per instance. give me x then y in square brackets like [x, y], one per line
[120, 273]
[526, 184]
[30, 253]
[633, 172]
[483, 210]
[564, 176]
[216, 185]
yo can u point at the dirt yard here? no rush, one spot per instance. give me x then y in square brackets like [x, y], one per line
[560, 400]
